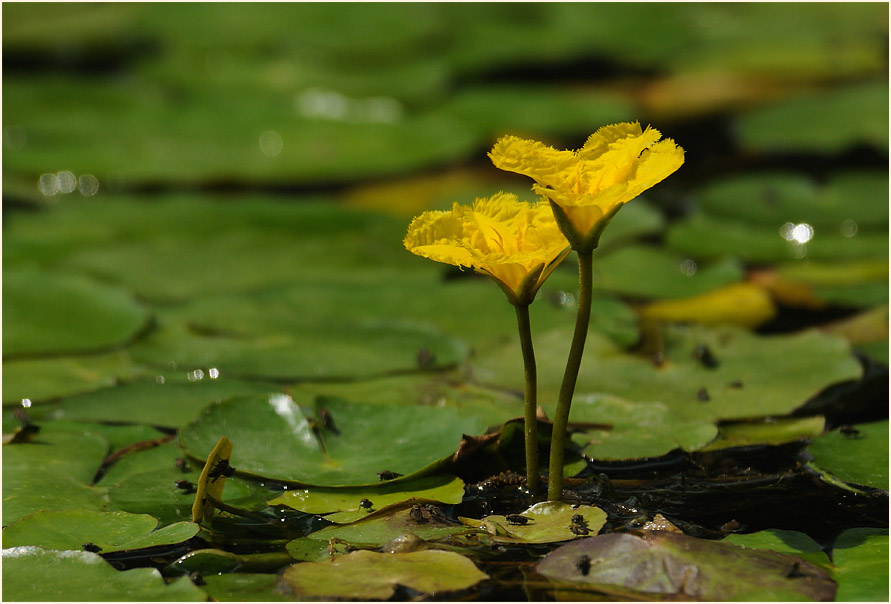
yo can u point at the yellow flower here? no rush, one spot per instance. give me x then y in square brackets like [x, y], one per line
[516, 243]
[587, 187]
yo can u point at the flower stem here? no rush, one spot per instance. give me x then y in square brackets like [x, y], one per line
[564, 400]
[530, 398]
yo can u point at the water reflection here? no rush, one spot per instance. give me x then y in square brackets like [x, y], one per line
[848, 228]
[213, 373]
[271, 143]
[26, 403]
[196, 375]
[66, 182]
[798, 233]
[689, 267]
[88, 185]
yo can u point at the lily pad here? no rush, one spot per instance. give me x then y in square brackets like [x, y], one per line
[34, 574]
[639, 430]
[743, 304]
[860, 557]
[165, 400]
[829, 121]
[276, 438]
[849, 203]
[662, 564]
[52, 473]
[347, 505]
[246, 587]
[856, 454]
[370, 575]
[783, 542]
[770, 432]
[48, 313]
[40, 380]
[646, 272]
[752, 376]
[111, 531]
[422, 518]
[703, 236]
[545, 522]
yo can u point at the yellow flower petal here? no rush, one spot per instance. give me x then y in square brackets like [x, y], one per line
[516, 243]
[615, 165]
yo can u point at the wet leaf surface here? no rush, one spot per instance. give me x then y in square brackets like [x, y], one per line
[33, 573]
[276, 438]
[109, 531]
[345, 505]
[369, 575]
[860, 558]
[854, 453]
[545, 522]
[666, 565]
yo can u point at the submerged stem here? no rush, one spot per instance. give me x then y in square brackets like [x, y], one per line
[530, 398]
[564, 400]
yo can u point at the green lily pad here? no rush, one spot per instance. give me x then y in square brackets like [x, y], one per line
[111, 531]
[755, 376]
[246, 587]
[664, 564]
[492, 407]
[860, 557]
[706, 237]
[274, 438]
[346, 505]
[419, 517]
[639, 430]
[856, 454]
[34, 574]
[52, 473]
[770, 432]
[545, 522]
[857, 284]
[783, 542]
[346, 348]
[40, 380]
[827, 121]
[370, 575]
[849, 203]
[216, 561]
[646, 272]
[496, 110]
[166, 400]
[57, 314]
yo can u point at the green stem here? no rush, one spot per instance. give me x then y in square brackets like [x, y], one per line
[530, 398]
[564, 400]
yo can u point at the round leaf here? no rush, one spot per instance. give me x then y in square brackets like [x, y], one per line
[32, 573]
[275, 438]
[856, 454]
[363, 575]
[56, 314]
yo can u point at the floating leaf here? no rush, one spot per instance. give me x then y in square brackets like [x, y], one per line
[52, 473]
[278, 439]
[32, 573]
[646, 272]
[110, 531]
[370, 575]
[743, 304]
[40, 380]
[57, 314]
[422, 518]
[783, 542]
[706, 237]
[246, 587]
[665, 564]
[856, 454]
[828, 121]
[770, 432]
[638, 430]
[747, 376]
[545, 522]
[346, 505]
[860, 557]
[166, 400]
